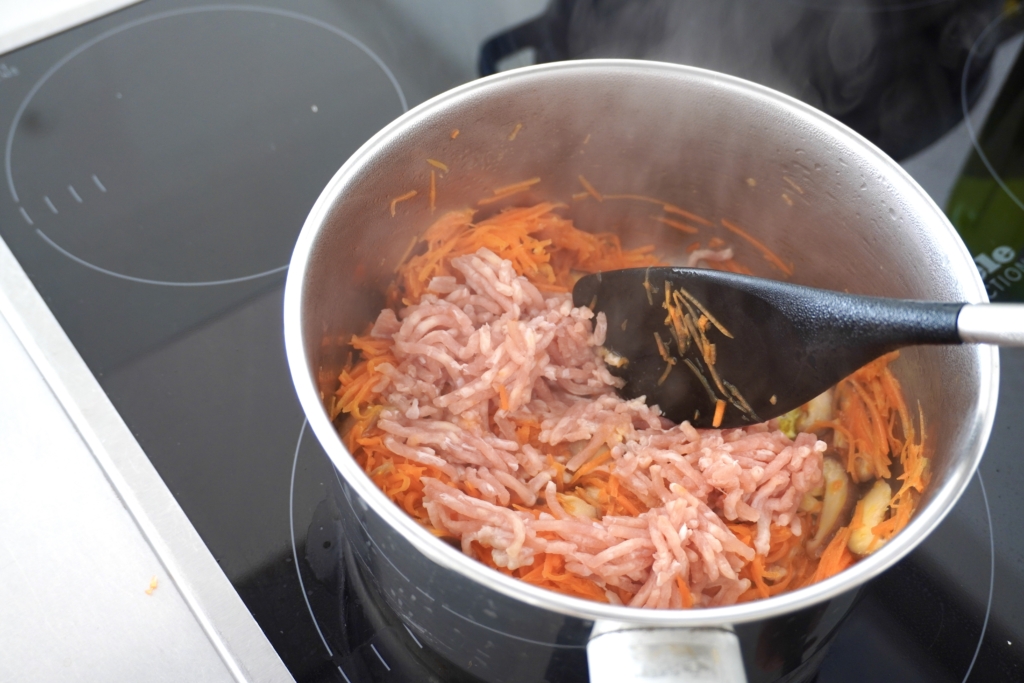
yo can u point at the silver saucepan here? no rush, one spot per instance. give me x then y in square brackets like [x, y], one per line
[815, 192]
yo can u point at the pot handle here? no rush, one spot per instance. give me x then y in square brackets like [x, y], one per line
[618, 652]
[536, 34]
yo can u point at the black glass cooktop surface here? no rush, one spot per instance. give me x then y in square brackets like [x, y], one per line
[159, 163]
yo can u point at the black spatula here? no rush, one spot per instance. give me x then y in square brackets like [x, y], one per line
[725, 350]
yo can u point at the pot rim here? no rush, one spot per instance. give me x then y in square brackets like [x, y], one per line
[979, 422]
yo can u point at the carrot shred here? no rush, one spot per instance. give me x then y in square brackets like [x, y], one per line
[437, 164]
[394, 202]
[836, 556]
[672, 208]
[681, 227]
[719, 413]
[591, 465]
[590, 189]
[684, 593]
[768, 254]
[508, 190]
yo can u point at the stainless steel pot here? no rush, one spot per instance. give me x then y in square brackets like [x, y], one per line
[811, 189]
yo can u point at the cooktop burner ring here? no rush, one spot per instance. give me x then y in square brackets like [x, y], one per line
[971, 132]
[991, 575]
[295, 550]
[91, 263]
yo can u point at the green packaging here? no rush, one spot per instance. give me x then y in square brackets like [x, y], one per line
[987, 203]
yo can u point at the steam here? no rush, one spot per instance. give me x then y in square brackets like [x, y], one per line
[809, 50]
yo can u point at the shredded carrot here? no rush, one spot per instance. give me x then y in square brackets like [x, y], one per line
[665, 206]
[516, 187]
[836, 557]
[704, 312]
[768, 254]
[433, 191]
[515, 132]
[681, 227]
[684, 593]
[757, 573]
[666, 372]
[503, 192]
[672, 208]
[394, 202]
[455, 133]
[591, 465]
[647, 287]
[662, 351]
[719, 413]
[437, 164]
[590, 189]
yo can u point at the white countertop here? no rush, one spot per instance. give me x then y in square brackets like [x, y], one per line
[26, 21]
[67, 539]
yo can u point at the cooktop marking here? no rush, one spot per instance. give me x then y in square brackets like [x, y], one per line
[509, 635]
[295, 552]
[138, 22]
[343, 675]
[967, 118]
[413, 636]
[50, 204]
[991, 575]
[374, 648]
[145, 281]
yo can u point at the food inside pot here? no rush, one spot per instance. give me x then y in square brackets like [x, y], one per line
[480, 403]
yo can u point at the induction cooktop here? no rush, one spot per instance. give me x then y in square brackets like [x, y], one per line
[159, 163]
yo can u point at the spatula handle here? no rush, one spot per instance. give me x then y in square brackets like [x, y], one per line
[1001, 324]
